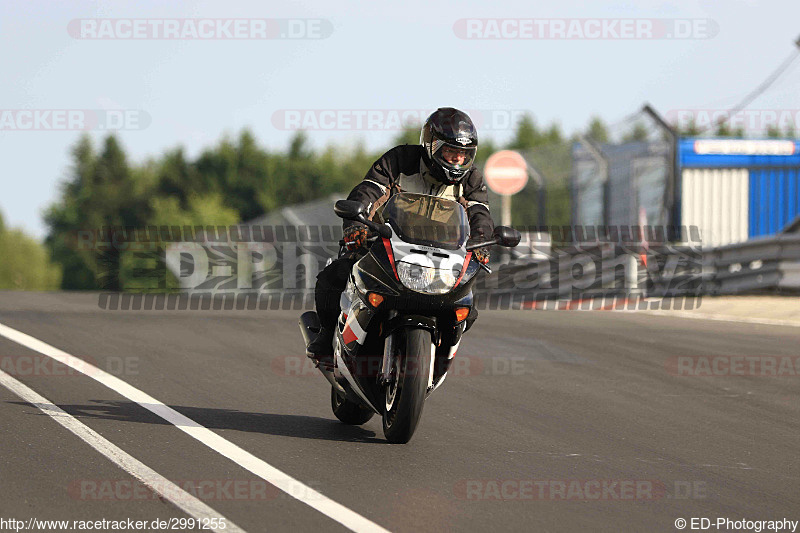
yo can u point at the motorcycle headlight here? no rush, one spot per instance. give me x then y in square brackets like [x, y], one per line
[425, 279]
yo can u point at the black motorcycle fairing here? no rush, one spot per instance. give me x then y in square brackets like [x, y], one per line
[382, 255]
[370, 276]
[472, 268]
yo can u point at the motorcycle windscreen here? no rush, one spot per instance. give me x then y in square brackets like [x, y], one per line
[426, 220]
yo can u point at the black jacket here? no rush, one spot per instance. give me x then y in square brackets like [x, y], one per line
[403, 168]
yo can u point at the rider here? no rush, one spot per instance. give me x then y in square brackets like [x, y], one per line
[441, 165]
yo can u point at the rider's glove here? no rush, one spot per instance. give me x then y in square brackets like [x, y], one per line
[355, 237]
[482, 254]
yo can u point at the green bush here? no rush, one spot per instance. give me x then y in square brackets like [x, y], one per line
[24, 263]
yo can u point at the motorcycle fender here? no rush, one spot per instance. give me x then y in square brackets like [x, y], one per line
[413, 321]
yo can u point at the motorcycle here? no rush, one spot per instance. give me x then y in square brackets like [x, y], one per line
[403, 311]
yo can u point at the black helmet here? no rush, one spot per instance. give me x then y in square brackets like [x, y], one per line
[450, 143]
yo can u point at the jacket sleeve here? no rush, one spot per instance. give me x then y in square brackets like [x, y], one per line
[375, 184]
[477, 197]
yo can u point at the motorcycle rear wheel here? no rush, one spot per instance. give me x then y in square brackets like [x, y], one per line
[349, 412]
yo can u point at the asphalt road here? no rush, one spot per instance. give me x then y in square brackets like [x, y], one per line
[552, 421]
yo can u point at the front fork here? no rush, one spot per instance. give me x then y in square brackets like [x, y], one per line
[385, 376]
[387, 364]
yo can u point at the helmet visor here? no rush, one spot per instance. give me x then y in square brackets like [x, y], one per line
[453, 157]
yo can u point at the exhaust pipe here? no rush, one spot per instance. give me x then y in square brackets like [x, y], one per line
[309, 323]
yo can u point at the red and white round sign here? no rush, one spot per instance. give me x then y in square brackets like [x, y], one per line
[506, 172]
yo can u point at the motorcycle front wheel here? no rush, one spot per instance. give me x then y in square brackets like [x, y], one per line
[405, 394]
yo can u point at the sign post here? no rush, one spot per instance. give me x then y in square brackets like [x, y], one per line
[506, 173]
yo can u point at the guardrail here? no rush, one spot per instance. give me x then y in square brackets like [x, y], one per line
[771, 263]
[597, 270]
[760, 265]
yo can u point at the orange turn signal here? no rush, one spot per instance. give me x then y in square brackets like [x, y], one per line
[374, 299]
[462, 313]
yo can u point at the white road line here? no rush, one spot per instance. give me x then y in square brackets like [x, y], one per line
[336, 511]
[152, 479]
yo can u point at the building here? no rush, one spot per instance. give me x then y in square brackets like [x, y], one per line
[731, 190]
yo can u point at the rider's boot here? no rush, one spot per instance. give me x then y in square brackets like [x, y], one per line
[321, 348]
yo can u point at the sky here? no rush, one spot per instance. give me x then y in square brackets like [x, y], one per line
[351, 68]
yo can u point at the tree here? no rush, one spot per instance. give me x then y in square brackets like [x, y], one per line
[724, 130]
[65, 220]
[486, 147]
[344, 167]
[553, 135]
[113, 205]
[597, 130]
[690, 130]
[206, 210]
[250, 177]
[637, 133]
[527, 134]
[177, 178]
[304, 178]
[409, 135]
[100, 197]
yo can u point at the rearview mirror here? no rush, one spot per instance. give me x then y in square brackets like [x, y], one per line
[348, 209]
[506, 236]
[353, 210]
